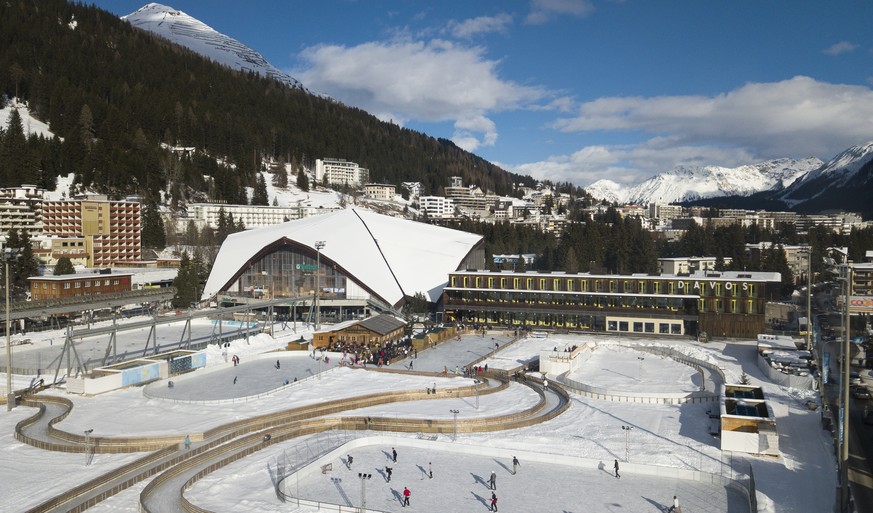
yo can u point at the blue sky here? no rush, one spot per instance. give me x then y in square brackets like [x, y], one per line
[580, 90]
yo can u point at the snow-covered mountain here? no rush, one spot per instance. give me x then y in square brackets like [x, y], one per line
[195, 35]
[836, 173]
[690, 183]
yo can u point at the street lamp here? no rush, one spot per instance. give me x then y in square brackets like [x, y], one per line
[88, 445]
[844, 396]
[627, 430]
[319, 244]
[364, 478]
[10, 395]
[455, 424]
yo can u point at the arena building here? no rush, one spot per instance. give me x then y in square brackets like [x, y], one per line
[724, 304]
[350, 254]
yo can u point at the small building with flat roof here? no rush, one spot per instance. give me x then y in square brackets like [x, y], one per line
[74, 285]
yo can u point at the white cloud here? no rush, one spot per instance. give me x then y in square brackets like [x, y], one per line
[481, 25]
[796, 117]
[466, 128]
[543, 11]
[840, 48]
[629, 163]
[430, 81]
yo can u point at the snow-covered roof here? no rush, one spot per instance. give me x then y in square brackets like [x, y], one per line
[392, 257]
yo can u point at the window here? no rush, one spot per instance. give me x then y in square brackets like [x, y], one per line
[622, 326]
[88, 284]
[44, 286]
[611, 326]
[66, 286]
[663, 328]
[638, 327]
[78, 284]
[650, 327]
[676, 328]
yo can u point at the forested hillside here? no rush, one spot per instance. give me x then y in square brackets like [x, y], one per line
[114, 94]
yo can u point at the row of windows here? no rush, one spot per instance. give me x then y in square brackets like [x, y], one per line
[79, 284]
[664, 328]
[591, 301]
[628, 286]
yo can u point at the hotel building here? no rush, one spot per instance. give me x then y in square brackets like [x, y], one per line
[727, 304]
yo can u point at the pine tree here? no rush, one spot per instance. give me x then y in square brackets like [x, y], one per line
[185, 283]
[153, 233]
[64, 266]
[302, 180]
[259, 195]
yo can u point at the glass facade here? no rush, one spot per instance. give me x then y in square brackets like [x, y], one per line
[664, 304]
[286, 272]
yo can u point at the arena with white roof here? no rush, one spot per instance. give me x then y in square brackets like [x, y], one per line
[364, 256]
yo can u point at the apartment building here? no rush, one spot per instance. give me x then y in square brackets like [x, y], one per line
[340, 172]
[252, 216]
[110, 230]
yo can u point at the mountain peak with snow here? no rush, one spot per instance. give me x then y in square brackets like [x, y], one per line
[687, 183]
[184, 30]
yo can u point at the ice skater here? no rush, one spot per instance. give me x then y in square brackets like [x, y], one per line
[278, 365]
[406, 494]
[615, 466]
[429, 471]
[388, 471]
[515, 465]
[493, 501]
[675, 507]
[234, 380]
[393, 455]
[349, 459]
[492, 481]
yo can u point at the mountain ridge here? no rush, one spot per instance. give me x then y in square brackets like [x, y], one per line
[689, 183]
[185, 30]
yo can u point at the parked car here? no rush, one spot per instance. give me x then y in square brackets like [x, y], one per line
[861, 392]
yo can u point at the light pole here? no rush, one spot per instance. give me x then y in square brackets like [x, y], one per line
[364, 478]
[455, 425]
[88, 445]
[809, 299]
[319, 244]
[640, 373]
[10, 394]
[627, 430]
[844, 396]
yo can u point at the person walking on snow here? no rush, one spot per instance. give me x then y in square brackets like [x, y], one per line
[493, 501]
[492, 481]
[675, 507]
[515, 465]
[615, 466]
[406, 494]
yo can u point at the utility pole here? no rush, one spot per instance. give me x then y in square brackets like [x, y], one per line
[10, 394]
[844, 400]
[319, 244]
[809, 299]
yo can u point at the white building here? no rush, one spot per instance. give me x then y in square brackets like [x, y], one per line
[340, 172]
[252, 216]
[380, 191]
[437, 206]
[415, 189]
[688, 265]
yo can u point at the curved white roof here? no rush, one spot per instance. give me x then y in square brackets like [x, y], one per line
[381, 252]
